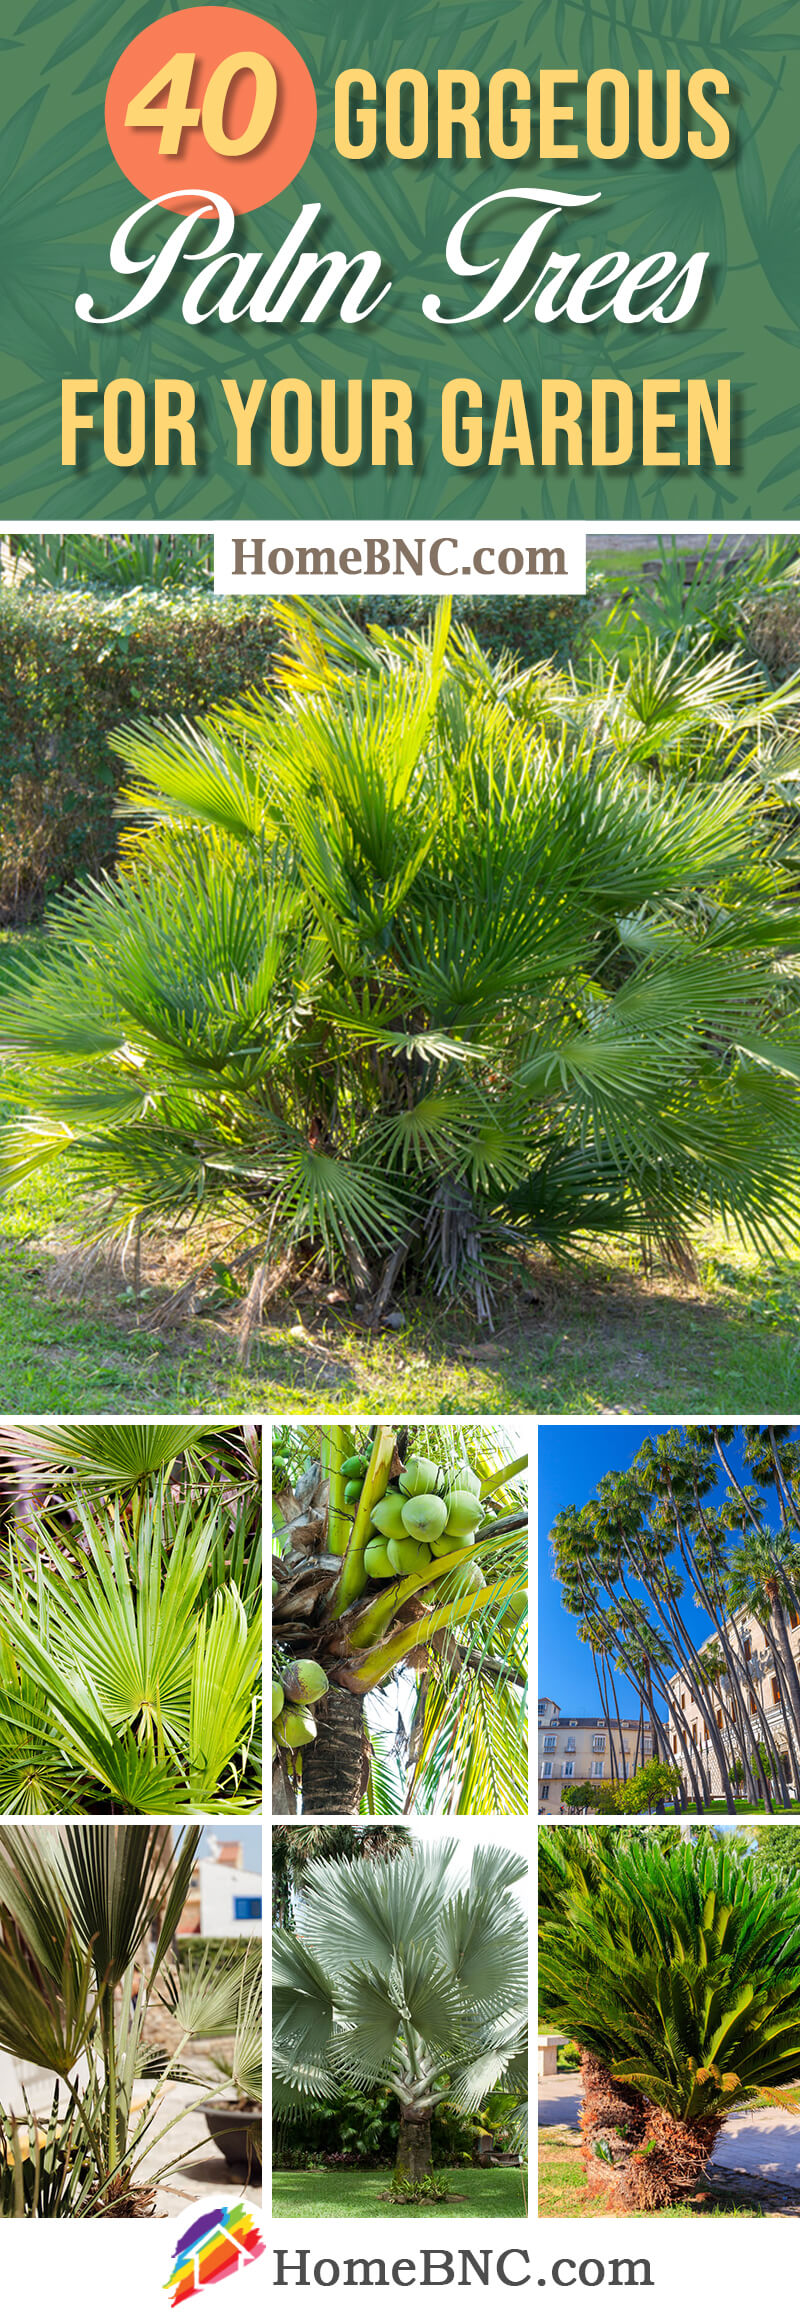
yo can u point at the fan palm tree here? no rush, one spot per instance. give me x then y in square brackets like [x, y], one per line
[295, 1851]
[467, 1746]
[679, 1974]
[418, 953]
[409, 1974]
[77, 1972]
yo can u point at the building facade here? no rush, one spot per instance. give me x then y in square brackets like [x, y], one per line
[224, 1898]
[577, 1748]
[688, 1728]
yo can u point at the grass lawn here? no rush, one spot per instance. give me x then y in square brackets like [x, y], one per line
[593, 1335]
[331, 2192]
[562, 2189]
[588, 1336]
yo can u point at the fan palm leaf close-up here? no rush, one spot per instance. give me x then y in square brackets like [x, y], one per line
[130, 1620]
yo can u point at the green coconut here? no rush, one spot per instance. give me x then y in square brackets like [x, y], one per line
[425, 1516]
[463, 1512]
[464, 1580]
[352, 1468]
[517, 1605]
[387, 1516]
[352, 1493]
[295, 1728]
[376, 1560]
[305, 1681]
[452, 1543]
[408, 1557]
[418, 1476]
[277, 1700]
[465, 1478]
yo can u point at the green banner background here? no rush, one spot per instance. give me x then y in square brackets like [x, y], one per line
[65, 196]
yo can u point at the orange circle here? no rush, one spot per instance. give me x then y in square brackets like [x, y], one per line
[239, 100]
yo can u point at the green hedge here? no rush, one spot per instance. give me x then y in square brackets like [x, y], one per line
[72, 669]
[76, 666]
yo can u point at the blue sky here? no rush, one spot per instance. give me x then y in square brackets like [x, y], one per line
[572, 1461]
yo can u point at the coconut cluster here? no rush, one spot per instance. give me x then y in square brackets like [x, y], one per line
[295, 1691]
[423, 1517]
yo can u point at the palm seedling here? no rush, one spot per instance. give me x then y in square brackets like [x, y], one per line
[359, 1596]
[406, 1975]
[418, 956]
[678, 1974]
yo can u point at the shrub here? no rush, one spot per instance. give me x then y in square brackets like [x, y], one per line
[71, 668]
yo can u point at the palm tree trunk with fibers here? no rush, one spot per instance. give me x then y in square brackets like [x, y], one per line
[335, 1770]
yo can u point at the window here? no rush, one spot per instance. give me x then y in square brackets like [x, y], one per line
[748, 1647]
[246, 1905]
[554, 1723]
[599, 1741]
[549, 1742]
[776, 1693]
[794, 1618]
[573, 1723]
[545, 1789]
[598, 1770]
[719, 1718]
[567, 1771]
[683, 1699]
[694, 1731]
[753, 1705]
[571, 1746]
[705, 1731]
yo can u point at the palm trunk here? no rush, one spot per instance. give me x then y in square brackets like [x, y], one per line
[335, 1768]
[414, 2155]
[669, 2163]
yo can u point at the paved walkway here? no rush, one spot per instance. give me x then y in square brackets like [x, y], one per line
[765, 2143]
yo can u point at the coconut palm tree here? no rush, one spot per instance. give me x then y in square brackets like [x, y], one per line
[679, 1974]
[419, 955]
[458, 1627]
[409, 1974]
[78, 1970]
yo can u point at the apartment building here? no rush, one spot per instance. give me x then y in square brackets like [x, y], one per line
[760, 1683]
[577, 1748]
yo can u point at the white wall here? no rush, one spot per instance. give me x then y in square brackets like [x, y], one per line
[219, 1885]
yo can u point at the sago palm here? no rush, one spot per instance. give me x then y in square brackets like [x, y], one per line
[455, 1626]
[409, 1974]
[679, 1974]
[415, 954]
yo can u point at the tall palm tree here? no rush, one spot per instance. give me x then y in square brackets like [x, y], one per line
[679, 1974]
[458, 1627]
[296, 1850]
[409, 1974]
[419, 954]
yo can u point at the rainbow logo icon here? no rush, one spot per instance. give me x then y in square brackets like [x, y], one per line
[221, 2241]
